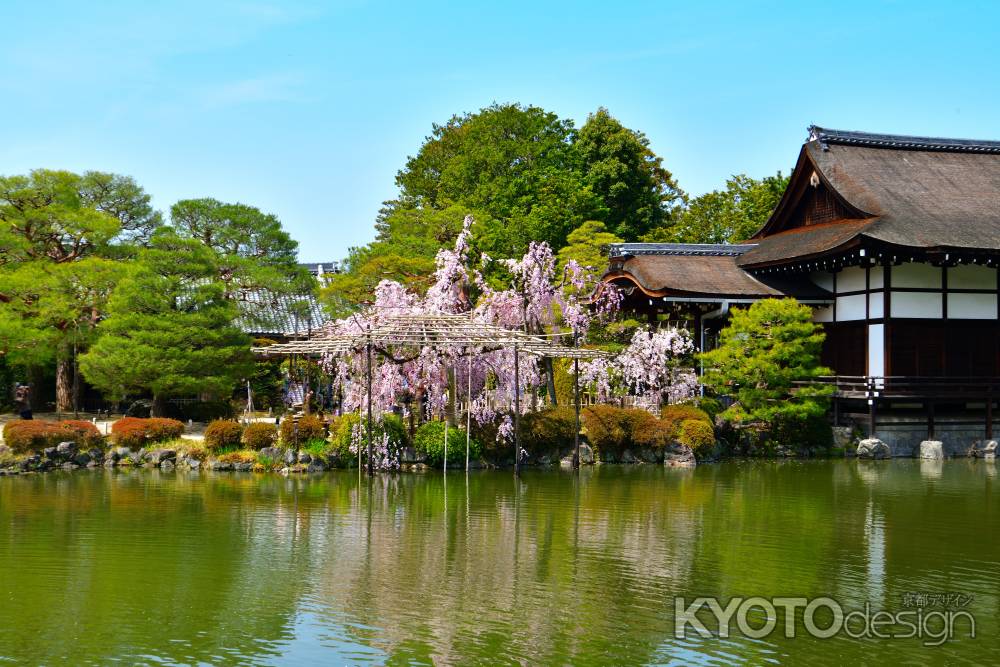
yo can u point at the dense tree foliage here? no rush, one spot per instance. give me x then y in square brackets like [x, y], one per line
[726, 216]
[587, 245]
[169, 328]
[252, 251]
[61, 236]
[768, 358]
[639, 193]
[526, 175]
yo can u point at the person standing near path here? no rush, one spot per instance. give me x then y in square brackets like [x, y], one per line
[22, 400]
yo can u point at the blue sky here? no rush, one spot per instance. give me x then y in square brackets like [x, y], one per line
[307, 110]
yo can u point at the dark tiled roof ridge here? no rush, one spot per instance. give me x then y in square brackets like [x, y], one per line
[826, 136]
[713, 249]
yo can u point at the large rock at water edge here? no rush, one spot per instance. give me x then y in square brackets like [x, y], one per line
[676, 455]
[873, 448]
[932, 449]
[984, 449]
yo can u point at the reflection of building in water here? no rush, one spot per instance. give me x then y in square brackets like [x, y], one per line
[875, 553]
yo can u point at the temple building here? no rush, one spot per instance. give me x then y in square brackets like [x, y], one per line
[894, 241]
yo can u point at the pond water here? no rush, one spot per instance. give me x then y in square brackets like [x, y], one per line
[159, 568]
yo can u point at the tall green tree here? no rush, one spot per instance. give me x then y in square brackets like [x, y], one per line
[516, 164]
[169, 328]
[726, 216]
[768, 359]
[256, 259]
[587, 244]
[61, 236]
[252, 250]
[619, 167]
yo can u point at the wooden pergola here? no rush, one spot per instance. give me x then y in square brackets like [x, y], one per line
[441, 331]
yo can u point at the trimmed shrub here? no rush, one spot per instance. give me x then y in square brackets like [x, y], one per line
[605, 430]
[238, 456]
[259, 435]
[651, 432]
[429, 440]
[223, 434]
[675, 415]
[31, 435]
[342, 434]
[697, 435]
[550, 431]
[308, 427]
[135, 432]
[84, 433]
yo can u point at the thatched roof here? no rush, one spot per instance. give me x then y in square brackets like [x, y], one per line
[915, 192]
[687, 270]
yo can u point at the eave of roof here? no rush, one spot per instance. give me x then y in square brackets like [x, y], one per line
[826, 136]
[713, 277]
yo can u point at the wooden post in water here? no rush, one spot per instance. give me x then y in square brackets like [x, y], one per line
[989, 412]
[517, 412]
[930, 419]
[368, 378]
[468, 415]
[576, 404]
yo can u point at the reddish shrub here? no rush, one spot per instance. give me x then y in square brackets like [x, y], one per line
[134, 432]
[223, 434]
[35, 435]
[259, 435]
[306, 428]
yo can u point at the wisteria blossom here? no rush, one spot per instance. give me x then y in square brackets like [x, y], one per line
[540, 299]
[652, 366]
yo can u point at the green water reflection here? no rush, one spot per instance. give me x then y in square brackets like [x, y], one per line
[140, 566]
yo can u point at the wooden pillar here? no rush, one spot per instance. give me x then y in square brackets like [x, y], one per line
[368, 378]
[468, 415]
[989, 412]
[576, 405]
[517, 412]
[930, 418]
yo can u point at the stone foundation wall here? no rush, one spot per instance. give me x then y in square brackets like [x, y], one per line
[904, 438]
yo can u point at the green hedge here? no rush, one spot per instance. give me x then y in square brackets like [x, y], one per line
[429, 440]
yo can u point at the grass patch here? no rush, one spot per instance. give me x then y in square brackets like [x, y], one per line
[238, 456]
[318, 447]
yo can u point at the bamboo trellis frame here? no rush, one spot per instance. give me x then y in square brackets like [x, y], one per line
[453, 332]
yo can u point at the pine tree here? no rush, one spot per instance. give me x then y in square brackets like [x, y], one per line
[169, 329]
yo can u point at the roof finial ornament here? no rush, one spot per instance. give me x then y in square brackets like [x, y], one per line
[816, 134]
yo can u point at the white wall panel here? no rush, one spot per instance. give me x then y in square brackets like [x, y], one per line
[876, 305]
[972, 306]
[916, 304]
[850, 279]
[876, 279]
[916, 274]
[972, 276]
[850, 308]
[876, 349]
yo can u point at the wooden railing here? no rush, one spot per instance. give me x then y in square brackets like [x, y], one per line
[927, 390]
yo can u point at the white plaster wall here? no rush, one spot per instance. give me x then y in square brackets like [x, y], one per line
[850, 279]
[916, 304]
[876, 349]
[916, 274]
[876, 305]
[971, 276]
[972, 306]
[876, 278]
[850, 307]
